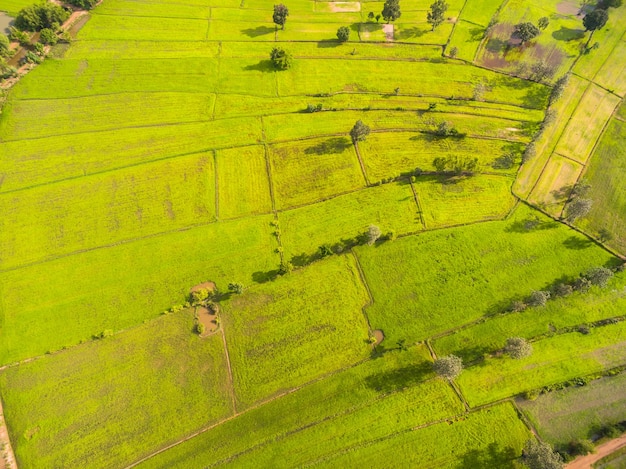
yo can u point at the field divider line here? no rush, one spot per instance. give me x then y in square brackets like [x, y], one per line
[458, 19]
[231, 385]
[525, 420]
[367, 289]
[451, 383]
[420, 210]
[361, 163]
[217, 186]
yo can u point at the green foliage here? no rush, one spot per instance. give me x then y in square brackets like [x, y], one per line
[4, 45]
[455, 164]
[448, 367]
[391, 10]
[577, 208]
[543, 22]
[580, 447]
[39, 16]
[20, 36]
[359, 132]
[538, 455]
[235, 288]
[559, 88]
[595, 20]
[48, 37]
[281, 59]
[538, 298]
[437, 13]
[343, 34]
[373, 233]
[199, 296]
[200, 329]
[606, 4]
[84, 4]
[281, 12]
[525, 31]
[599, 276]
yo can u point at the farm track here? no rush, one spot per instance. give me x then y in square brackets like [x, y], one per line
[605, 449]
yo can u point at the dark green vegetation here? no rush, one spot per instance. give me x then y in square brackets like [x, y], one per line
[385, 210]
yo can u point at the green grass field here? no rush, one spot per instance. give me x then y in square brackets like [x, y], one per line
[103, 411]
[162, 149]
[578, 412]
[423, 286]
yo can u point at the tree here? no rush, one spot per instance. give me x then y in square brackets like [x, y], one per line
[84, 4]
[281, 59]
[391, 10]
[599, 276]
[200, 328]
[324, 250]
[235, 288]
[595, 20]
[370, 16]
[48, 36]
[539, 455]
[281, 12]
[577, 208]
[448, 367]
[541, 71]
[543, 23]
[285, 268]
[453, 52]
[606, 4]
[39, 16]
[343, 34]
[538, 298]
[377, 18]
[437, 13]
[4, 45]
[580, 447]
[199, 296]
[518, 347]
[359, 132]
[373, 233]
[559, 88]
[525, 31]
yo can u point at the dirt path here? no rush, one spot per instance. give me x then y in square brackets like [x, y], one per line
[7, 458]
[585, 462]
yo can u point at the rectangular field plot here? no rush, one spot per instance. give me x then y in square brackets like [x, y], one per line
[340, 220]
[554, 185]
[311, 170]
[110, 49]
[119, 287]
[421, 284]
[454, 201]
[243, 185]
[42, 117]
[346, 392]
[248, 77]
[144, 27]
[419, 31]
[27, 163]
[242, 31]
[573, 310]
[14, 6]
[466, 38]
[450, 444]
[296, 324]
[313, 31]
[531, 170]
[118, 398]
[613, 74]
[577, 412]
[147, 9]
[87, 77]
[554, 360]
[586, 125]
[52, 220]
[605, 174]
[390, 154]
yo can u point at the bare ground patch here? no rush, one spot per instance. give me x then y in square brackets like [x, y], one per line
[208, 318]
[388, 31]
[344, 7]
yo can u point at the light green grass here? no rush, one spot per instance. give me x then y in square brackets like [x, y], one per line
[105, 209]
[243, 185]
[447, 444]
[480, 11]
[310, 170]
[391, 207]
[466, 38]
[43, 118]
[119, 287]
[611, 75]
[576, 309]
[426, 284]
[14, 6]
[390, 154]
[553, 187]
[154, 29]
[104, 403]
[346, 392]
[111, 49]
[607, 192]
[450, 201]
[119, 9]
[578, 412]
[298, 325]
[554, 360]
[24, 165]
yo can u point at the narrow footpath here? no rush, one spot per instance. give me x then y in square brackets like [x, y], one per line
[585, 462]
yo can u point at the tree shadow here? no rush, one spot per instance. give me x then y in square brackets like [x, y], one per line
[492, 457]
[531, 224]
[262, 277]
[258, 31]
[328, 43]
[496, 45]
[568, 34]
[409, 33]
[476, 34]
[331, 146]
[472, 353]
[536, 97]
[265, 66]
[399, 378]
[574, 242]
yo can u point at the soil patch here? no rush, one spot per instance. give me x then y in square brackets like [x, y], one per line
[205, 285]
[572, 8]
[5, 23]
[207, 318]
[585, 462]
[344, 7]
[388, 30]
[378, 335]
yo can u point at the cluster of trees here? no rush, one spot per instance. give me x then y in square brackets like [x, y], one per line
[526, 31]
[281, 59]
[455, 164]
[578, 205]
[41, 16]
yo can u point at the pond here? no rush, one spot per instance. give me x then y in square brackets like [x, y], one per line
[5, 22]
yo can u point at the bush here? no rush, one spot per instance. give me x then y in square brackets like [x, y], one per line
[235, 288]
[198, 296]
[538, 298]
[281, 59]
[200, 329]
[563, 289]
[580, 447]
[599, 276]
[518, 348]
[39, 16]
[47, 36]
[84, 4]
[19, 36]
[4, 45]
[343, 34]
[448, 367]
